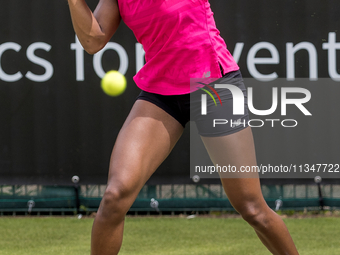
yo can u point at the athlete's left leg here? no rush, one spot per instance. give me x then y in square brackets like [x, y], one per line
[244, 190]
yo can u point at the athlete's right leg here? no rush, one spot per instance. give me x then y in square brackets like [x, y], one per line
[145, 140]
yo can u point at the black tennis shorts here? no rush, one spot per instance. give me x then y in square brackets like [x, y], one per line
[219, 118]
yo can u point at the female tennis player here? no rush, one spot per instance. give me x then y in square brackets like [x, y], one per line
[181, 41]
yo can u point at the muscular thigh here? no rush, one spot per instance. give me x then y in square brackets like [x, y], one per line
[242, 189]
[145, 140]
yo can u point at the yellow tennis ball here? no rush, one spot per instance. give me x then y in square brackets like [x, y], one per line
[113, 83]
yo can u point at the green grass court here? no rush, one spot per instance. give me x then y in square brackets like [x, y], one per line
[163, 235]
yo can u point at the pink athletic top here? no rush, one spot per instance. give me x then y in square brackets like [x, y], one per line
[180, 40]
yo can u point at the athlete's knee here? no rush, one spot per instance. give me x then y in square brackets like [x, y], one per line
[258, 216]
[116, 201]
